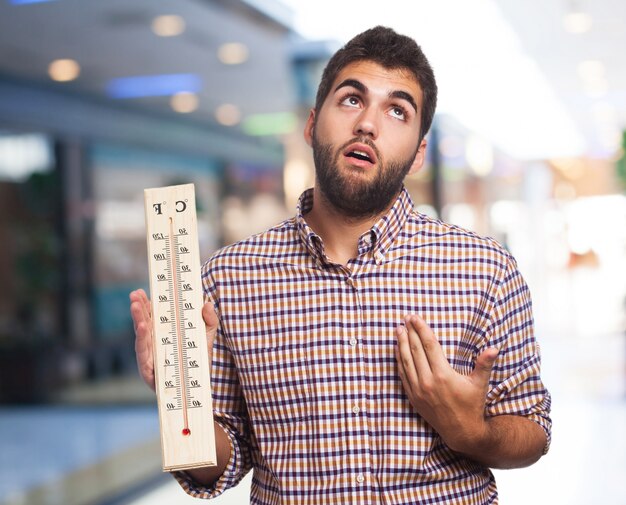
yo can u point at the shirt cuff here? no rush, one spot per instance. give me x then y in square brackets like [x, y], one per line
[233, 473]
[546, 425]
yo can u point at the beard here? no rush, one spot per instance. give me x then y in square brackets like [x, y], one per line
[350, 194]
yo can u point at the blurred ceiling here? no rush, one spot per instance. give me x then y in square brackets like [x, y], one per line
[483, 51]
[113, 39]
[585, 70]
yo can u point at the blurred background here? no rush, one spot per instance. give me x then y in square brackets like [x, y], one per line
[100, 99]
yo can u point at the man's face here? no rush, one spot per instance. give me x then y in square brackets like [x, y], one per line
[364, 138]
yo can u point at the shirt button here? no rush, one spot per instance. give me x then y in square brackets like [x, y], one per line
[350, 282]
[356, 409]
[379, 258]
[360, 478]
[353, 341]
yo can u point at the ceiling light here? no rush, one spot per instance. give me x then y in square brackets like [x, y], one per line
[184, 102]
[23, 2]
[168, 25]
[63, 70]
[228, 114]
[232, 53]
[577, 22]
[280, 123]
[153, 85]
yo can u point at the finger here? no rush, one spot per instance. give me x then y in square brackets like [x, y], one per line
[417, 350]
[406, 365]
[428, 348]
[142, 323]
[139, 296]
[143, 344]
[140, 307]
[145, 301]
[403, 379]
[484, 365]
[142, 327]
[136, 312]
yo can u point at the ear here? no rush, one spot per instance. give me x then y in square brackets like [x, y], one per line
[308, 127]
[420, 157]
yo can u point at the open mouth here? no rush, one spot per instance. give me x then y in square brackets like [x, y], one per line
[360, 152]
[359, 155]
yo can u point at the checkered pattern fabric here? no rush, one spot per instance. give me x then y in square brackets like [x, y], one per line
[305, 380]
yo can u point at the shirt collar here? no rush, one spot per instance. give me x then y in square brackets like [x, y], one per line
[379, 237]
[309, 238]
[387, 228]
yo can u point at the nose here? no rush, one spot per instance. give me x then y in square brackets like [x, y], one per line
[366, 123]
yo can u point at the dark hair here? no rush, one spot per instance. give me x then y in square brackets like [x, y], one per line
[392, 51]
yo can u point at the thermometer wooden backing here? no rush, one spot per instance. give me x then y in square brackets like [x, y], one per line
[180, 349]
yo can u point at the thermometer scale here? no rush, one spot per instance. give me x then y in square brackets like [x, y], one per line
[181, 363]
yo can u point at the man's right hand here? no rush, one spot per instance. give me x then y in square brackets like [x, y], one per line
[141, 312]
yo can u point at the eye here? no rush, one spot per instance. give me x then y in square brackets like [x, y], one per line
[350, 101]
[398, 112]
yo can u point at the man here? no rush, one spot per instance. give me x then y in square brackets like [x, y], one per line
[362, 352]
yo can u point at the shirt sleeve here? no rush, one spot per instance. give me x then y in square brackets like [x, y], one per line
[229, 411]
[515, 385]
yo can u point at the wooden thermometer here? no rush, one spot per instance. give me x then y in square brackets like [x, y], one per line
[181, 362]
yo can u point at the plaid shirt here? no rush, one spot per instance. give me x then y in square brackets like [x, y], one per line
[305, 381]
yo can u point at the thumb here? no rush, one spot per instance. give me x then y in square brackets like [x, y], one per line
[211, 321]
[484, 364]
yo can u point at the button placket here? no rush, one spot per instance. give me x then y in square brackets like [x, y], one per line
[355, 383]
[352, 283]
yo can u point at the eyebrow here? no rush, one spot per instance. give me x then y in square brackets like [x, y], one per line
[403, 95]
[359, 86]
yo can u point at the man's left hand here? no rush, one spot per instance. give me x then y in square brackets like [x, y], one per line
[452, 403]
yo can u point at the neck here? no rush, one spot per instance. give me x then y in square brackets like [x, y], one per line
[339, 232]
